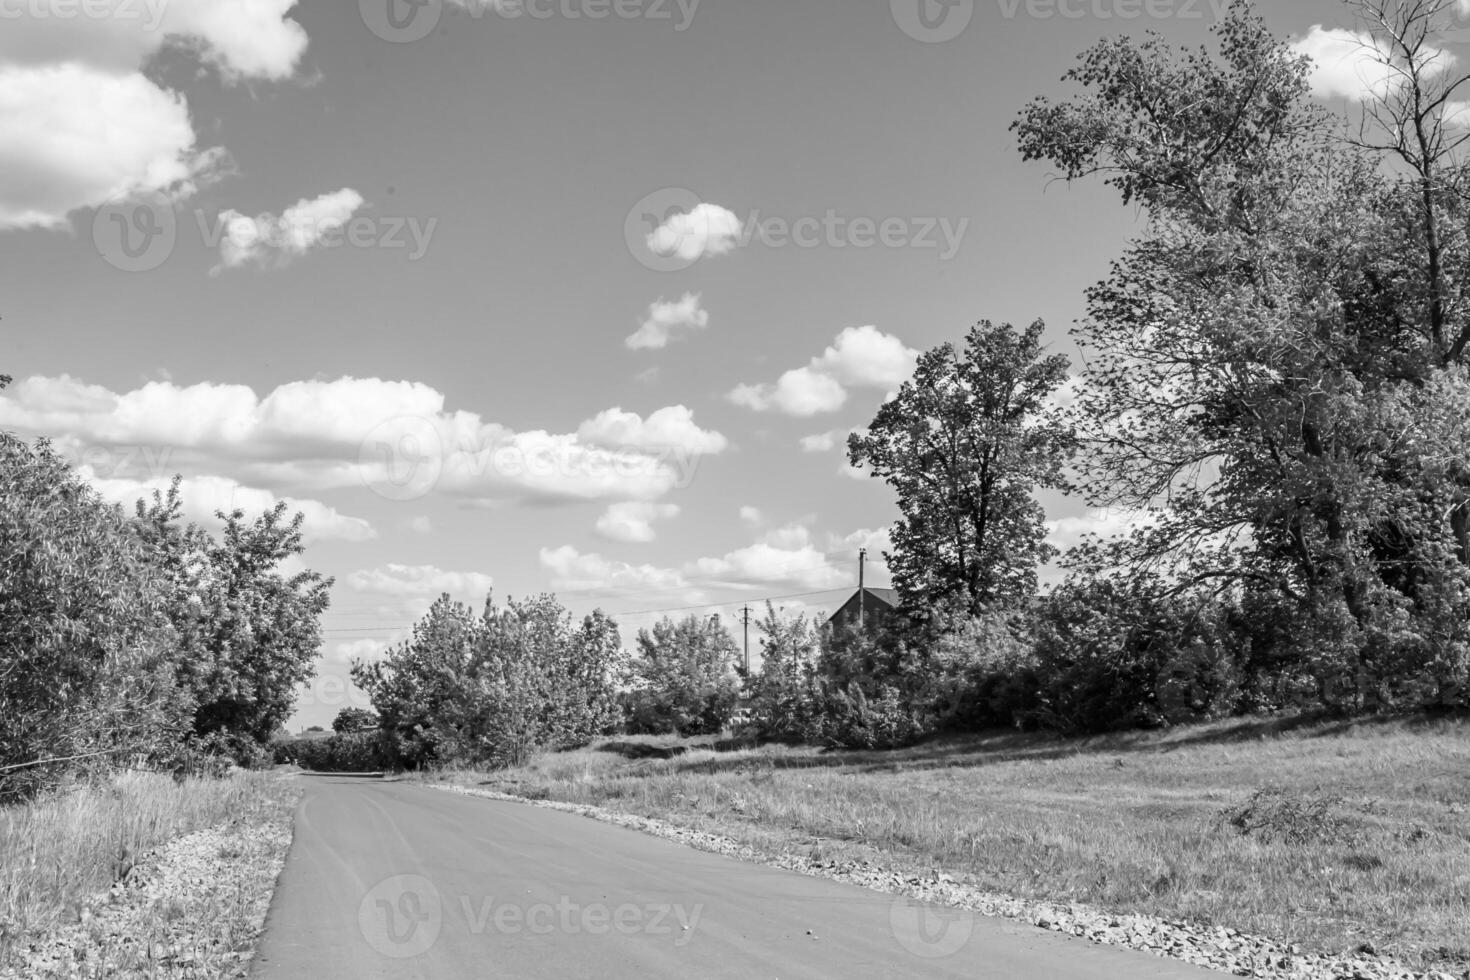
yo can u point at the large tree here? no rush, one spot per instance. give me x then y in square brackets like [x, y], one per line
[1277, 366]
[966, 443]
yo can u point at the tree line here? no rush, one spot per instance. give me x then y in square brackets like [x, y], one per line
[140, 638]
[1275, 384]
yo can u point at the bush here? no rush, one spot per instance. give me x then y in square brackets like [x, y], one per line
[350, 752]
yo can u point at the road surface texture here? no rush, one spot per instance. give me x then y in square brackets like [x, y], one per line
[392, 880]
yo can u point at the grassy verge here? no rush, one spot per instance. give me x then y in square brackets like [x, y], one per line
[1331, 836]
[61, 852]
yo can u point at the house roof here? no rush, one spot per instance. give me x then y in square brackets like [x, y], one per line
[885, 597]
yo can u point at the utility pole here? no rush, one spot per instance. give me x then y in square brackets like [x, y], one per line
[747, 641]
[862, 590]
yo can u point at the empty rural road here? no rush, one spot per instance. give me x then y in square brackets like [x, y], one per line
[390, 880]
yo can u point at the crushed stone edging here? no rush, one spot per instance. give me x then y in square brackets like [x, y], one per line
[229, 857]
[1225, 950]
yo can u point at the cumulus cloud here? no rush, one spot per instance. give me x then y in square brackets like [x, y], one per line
[632, 521]
[666, 319]
[781, 559]
[204, 496]
[706, 230]
[393, 437]
[81, 124]
[824, 442]
[751, 515]
[669, 429]
[420, 582]
[859, 357]
[270, 241]
[1351, 64]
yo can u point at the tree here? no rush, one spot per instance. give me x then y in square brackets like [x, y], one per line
[965, 443]
[87, 653]
[1277, 367]
[495, 688]
[249, 635]
[350, 720]
[782, 694]
[683, 677]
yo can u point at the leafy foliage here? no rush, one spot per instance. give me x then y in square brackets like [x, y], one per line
[682, 678]
[964, 444]
[492, 689]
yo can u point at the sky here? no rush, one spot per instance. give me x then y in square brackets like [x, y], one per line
[578, 296]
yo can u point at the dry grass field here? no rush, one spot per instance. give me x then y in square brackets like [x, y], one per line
[63, 849]
[1330, 835]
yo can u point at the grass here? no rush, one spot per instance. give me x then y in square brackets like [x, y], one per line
[61, 850]
[1327, 835]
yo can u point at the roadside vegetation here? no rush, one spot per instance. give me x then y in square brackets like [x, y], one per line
[58, 854]
[1333, 835]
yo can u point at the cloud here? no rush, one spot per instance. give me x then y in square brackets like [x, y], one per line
[71, 136]
[420, 582]
[824, 442]
[632, 521]
[203, 496]
[270, 241]
[574, 571]
[751, 515]
[1351, 64]
[665, 319]
[669, 429]
[81, 124]
[859, 357]
[708, 229]
[1064, 533]
[421, 525]
[393, 437]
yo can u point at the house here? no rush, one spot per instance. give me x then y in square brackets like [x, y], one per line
[870, 604]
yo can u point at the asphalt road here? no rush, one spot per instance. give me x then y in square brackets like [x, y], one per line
[389, 880]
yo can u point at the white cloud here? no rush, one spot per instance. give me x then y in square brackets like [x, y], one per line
[393, 437]
[80, 122]
[1068, 532]
[421, 525]
[824, 442]
[268, 240]
[669, 429]
[632, 521]
[420, 582]
[72, 136]
[784, 556]
[706, 230]
[203, 496]
[242, 39]
[859, 357]
[751, 515]
[368, 650]
[1351, 64]
[665, 319]
[574, 571]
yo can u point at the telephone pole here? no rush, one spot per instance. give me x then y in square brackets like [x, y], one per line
[747, 641]
[862, 590]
